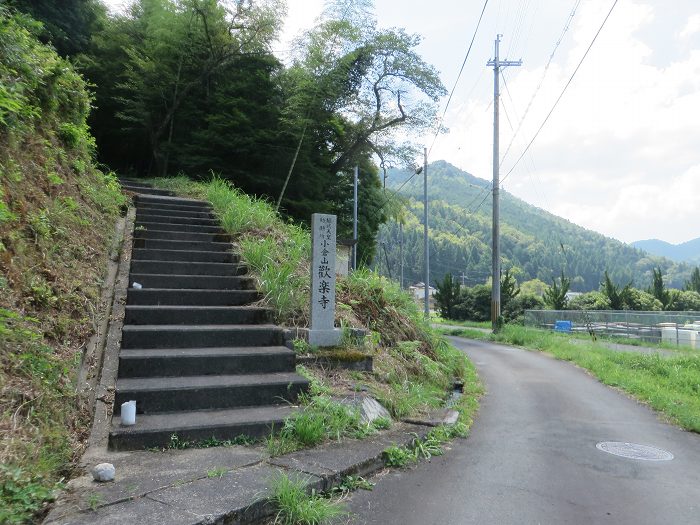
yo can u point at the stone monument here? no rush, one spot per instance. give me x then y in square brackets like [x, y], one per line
[323, 250]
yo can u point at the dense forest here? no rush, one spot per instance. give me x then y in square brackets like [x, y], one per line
[534, 243]
[193, 87]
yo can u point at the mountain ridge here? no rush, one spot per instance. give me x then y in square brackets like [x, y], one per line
[688, 251]
[535, 243]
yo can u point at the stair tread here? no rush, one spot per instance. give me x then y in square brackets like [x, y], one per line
[202, 291]
[177, 307]
[179, 251]
[189, 263]
[198, 328]
[213, 351]
[204, 418]
[172, 200]
[176, 275]
[158, 384]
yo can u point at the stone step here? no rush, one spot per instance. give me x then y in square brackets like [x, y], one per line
[175, 219]
[176, 211]
[196, 336]
[132, 182]
[168, 226]
[192, 282]
[187, 268]
[192, 315]
[182, 362]
[200, 246]
[176, 394]
[150, 254]
[145, 190]
[182, 297]
[174, 208]
[161, 235]
[156, 430]
[169, 200]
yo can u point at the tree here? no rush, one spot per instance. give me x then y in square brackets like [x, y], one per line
[687, 301]
[177, 49]
[447, 295]
[642, 301]
[515, 310]
[659, 291]
[509, 288]
[616, 296]
[68, 24]
[693, 284]
[555, 295]
[359, 91]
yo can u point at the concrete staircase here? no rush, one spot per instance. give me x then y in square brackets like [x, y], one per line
[197, 358]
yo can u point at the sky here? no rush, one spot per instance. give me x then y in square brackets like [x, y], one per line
[620, 154]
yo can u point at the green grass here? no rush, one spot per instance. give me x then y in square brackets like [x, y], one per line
[296, 506]
[469, 324]
[321, 419]
[414, 367]
[276, 251]
[670, 385]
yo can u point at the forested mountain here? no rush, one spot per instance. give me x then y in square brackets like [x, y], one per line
[688, 251]
[535, 244]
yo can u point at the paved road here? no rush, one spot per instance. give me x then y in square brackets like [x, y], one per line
[617, 347]
[532, 457]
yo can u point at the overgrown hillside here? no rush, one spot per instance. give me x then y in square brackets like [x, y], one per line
[57, 217]
[535, 244]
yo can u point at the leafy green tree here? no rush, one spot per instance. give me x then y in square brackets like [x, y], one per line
[616, 296]
[515, 310]
[687, 301]
[660, 292]
[640, 300]
[359, 91]
[555, 295]
[447, 295]
[68, 25]
[509, 288]
[177, 49]
[474, 303]
[590, 301]
[693, 284]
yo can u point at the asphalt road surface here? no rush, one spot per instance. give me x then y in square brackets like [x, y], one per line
[531, 457]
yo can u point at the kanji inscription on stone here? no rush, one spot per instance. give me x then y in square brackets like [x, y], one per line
[323, 251]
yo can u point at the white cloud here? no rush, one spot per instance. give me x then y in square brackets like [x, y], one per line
[691, 28]
[619, 155]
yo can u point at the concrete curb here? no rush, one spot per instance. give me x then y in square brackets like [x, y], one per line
[184, 487]
[104, 395]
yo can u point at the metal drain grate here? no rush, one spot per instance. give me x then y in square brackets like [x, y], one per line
[634, 451]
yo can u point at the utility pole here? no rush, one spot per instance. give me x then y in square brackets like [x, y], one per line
[386, 258]
[401, 250]
[425, 233]
[354, 221]
[497, 64]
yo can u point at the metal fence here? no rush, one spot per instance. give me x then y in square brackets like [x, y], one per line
[679, 328]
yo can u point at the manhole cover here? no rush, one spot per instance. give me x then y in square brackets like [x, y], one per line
[634, 451]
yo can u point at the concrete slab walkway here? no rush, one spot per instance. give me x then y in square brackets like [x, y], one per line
[213, 485]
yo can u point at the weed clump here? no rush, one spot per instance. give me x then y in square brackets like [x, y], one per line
[296, 506]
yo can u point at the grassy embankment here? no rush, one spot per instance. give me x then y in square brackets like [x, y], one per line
[414, 368]
[670, 385]
[57, 217]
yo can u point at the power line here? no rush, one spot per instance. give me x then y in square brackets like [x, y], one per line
[567, 25]
[568, 83]
[459, 75]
